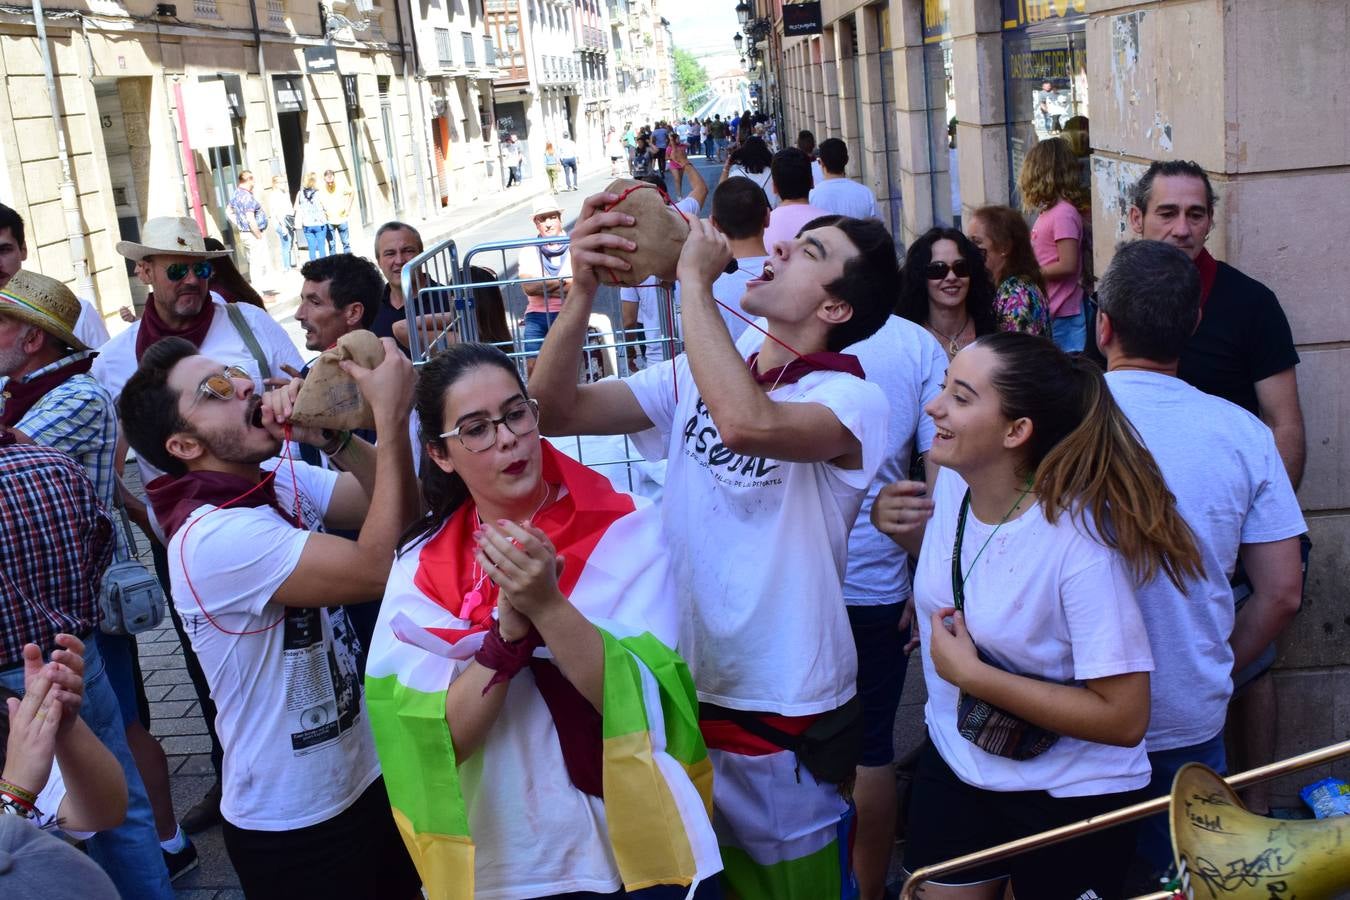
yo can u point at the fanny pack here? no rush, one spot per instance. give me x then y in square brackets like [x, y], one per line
[989, 727]
[130, 598]
[830, 748]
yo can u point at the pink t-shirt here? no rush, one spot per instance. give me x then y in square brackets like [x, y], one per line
[787, 220]
[1060, 222]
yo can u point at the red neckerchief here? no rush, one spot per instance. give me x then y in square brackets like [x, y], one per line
[575, 522]
[1209, 270]
[174, 497]
[21, 396]
[153, 328]
[804, 365]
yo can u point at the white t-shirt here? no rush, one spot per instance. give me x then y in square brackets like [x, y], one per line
[649, 296]
[1221, 464]
[763, 179]
[729, 289]
[760, 544]
[116, 360]
[290, 709]
[845, 197]
[904, 360]
[1045, 600]
[49, 801]
[90, 327]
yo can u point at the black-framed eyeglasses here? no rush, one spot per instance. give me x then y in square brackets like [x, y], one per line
[480, 433]
[937, 270]
[221, 384]
[178, 271]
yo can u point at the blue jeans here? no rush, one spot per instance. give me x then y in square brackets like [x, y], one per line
[335, 231]
[570, 171]
[284, 235]
[1154, 840]
[1070, 332]
[537, 325]
[315, 236]
[129, 853]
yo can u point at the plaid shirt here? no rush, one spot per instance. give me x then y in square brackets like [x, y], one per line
[55, 543]
[78, 417]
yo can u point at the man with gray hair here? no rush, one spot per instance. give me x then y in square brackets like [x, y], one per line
[396, 243]
[1222, 464]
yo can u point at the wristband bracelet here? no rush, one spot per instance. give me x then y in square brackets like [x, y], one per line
[13, 806]
[9, 787]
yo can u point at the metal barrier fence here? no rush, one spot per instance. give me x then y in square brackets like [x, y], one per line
[449, 300]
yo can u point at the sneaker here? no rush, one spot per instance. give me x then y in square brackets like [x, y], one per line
[182, 862]
[205, 814]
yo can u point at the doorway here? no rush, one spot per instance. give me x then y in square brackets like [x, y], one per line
[292, 130]
[121, 174]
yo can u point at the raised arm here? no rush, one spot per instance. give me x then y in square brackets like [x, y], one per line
[748, 420]
[605, 407]
[698, 188]
[378, 490]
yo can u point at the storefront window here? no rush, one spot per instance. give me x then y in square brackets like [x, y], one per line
[1045, 77]
[940, 92]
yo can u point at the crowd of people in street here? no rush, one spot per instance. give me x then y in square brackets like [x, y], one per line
[434, 653]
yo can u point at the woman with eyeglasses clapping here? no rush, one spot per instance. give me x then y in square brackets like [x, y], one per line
[947, 289]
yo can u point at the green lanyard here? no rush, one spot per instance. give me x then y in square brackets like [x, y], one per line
[959, 580]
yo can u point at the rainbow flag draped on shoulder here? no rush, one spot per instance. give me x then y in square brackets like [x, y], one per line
[507, 822]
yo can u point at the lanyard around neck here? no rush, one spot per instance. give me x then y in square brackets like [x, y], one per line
[959, 580]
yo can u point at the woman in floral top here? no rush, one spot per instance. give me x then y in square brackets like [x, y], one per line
[1003, 236]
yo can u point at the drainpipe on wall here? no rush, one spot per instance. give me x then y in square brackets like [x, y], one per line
[70, 200]
[419, 122]
[407, 97]
[273, 124]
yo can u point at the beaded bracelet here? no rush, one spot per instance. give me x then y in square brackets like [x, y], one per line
[13, 789]
[14, 806]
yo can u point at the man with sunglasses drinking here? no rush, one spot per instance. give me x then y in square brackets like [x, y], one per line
[173, 262]
[253, 572]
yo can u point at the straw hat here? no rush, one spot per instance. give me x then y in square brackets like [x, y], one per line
[545, 206]
[44, 302]
[172, 235]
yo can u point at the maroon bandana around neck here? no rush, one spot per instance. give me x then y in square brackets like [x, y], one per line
[174, 497]
[804, 365]
[1209, 271]
[21, 396]
[152, 327]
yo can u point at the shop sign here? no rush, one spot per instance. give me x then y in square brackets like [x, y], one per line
[1056, 65]
[320, 60]
[290, 93]
[937, 21]
[208, 114]
[1018, 13]
[802, 18]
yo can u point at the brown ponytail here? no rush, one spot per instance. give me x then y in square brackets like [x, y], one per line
[1087, 458]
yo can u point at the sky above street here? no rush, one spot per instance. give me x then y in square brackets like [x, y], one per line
[702, 26]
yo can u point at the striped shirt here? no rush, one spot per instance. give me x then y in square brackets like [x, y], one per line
[55, 543]
[78, 418]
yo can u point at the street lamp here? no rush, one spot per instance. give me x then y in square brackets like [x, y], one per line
[743, 12]
[738, 40]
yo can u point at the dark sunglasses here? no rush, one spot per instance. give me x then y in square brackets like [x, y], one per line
[178, 271]
[936, 271]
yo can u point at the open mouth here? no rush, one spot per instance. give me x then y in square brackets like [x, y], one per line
[943, 434]
[765, 276]
[516, 467]
[255, 413]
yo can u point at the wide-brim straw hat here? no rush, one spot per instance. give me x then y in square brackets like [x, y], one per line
[174, 235]
[44, 302]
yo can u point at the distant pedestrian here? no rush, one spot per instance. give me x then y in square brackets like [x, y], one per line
[567, 152]
[660, 141]
[552, 166]
[614, 147]
[282, 212]
[752, 161]
[1049, 185]
[695, 135]
[246, 214]
[513, 159]
[791, 173]
[837, 193]
[311, 218]
[337, 205]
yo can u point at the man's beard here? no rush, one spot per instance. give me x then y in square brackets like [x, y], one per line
[11, 360]
[230, 447]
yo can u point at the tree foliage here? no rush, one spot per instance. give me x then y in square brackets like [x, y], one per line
[692, 79]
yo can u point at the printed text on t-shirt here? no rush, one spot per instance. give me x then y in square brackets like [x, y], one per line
[703, 444]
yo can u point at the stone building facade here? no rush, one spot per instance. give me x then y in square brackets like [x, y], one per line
[159, 106]
[939, 99]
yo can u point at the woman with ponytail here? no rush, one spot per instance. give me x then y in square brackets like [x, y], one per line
[528, 710]
[1047, 514]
